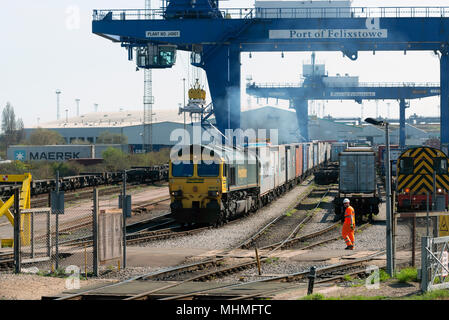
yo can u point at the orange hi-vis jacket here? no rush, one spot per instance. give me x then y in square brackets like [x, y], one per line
[349, 216]
[347, 232]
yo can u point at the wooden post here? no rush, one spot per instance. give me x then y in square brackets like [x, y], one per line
[258, 262]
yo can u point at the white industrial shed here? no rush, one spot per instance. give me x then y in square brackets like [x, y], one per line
[88, 127]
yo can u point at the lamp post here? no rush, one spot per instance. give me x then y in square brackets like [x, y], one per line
[58, 92]
[143, 141]
[389, 240]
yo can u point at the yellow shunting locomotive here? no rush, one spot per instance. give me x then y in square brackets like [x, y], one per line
[417, 170]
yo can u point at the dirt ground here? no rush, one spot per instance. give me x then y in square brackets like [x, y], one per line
[390, 288]
[33, 287]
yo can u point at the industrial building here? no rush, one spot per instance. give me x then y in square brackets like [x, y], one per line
[88, 127]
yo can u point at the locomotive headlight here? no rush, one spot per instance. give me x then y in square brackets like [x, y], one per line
[212, 193]
[177, 193]
[440, 190]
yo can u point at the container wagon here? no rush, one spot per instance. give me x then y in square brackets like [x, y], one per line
[357, 182]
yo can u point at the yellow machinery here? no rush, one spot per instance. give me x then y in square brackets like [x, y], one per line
[197, 93]
[24, 203]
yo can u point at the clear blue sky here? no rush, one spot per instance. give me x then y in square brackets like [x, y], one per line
[48, 45]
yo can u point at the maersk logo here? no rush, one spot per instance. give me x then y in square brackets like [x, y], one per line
[54, 155]
[20, 155]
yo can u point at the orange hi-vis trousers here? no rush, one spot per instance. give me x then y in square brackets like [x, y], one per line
[347, 232]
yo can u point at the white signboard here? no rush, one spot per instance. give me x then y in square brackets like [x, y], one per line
[353, 94]
[329, 34]
[163, 34]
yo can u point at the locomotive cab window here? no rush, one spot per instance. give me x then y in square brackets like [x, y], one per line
[208, 170]
[406, 165]
[183, 169]
[440, 165]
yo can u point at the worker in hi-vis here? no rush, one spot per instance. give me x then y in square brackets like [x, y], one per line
[348, 225]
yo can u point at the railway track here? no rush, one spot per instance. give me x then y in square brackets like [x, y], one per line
[162, 232]
[161, 292]
[85, 193]
[217, 260]
[304, 218]
[86, 222]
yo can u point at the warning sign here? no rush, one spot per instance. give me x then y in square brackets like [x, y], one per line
[443, 229]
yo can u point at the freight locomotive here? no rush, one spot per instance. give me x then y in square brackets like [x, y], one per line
[422, 172]
[213, 184]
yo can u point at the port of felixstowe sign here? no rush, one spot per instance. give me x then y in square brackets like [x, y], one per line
[328, 34]
[372, 31]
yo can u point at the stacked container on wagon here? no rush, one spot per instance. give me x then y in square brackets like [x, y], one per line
[291, 163]
[299, 161]
[228, 188]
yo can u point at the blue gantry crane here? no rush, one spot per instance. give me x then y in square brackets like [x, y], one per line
[216, 37]
[317, 85]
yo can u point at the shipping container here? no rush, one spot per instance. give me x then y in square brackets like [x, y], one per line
[394, 155]
[380, 152]
[310, 156]
[282, 165]
[299, 160]
[50, 152]
[63, 152]
[357, 171]
[291, 161]
[336, 148]
[266, 169]
[275, 160]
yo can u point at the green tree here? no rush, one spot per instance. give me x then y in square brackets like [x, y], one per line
[115, 159]
[12, 128]
[45, 137]
[107, 137]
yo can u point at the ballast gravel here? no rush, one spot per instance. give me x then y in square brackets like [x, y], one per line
[231, 234]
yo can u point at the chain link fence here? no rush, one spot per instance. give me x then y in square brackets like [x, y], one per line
[418, 226]
[73, 240]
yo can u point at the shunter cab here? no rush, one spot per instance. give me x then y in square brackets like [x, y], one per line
[422, 172]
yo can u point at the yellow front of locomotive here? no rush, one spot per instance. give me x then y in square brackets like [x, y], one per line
[196, 185]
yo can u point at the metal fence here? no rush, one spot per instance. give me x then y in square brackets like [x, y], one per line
[284, 13]
[74, 239]
[434, 263]
[419, 226]
[37, 247]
